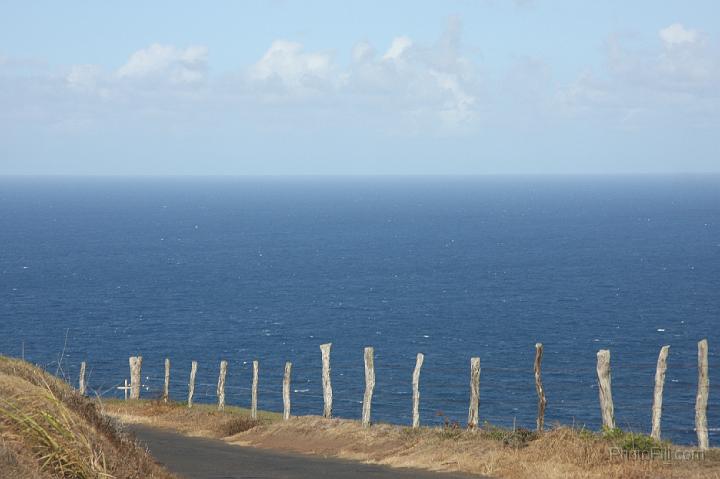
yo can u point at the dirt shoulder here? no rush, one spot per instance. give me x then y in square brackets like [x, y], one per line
[202, 420]
[558, 453]
[206, 458]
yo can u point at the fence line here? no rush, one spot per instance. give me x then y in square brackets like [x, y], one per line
[653, 404]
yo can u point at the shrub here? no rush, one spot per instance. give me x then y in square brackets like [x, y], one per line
[614, 433]
[519, 437]
[631, 441]
[237, 425]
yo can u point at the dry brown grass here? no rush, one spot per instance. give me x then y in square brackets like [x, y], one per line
[559, 453]
[562, 452]
[49, 431]
[203, 420]
[14, 462]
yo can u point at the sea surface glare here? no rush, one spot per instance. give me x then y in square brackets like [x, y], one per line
[269, 268]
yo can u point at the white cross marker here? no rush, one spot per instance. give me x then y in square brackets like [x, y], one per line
[126, 388]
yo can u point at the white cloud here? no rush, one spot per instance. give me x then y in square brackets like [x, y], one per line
[587, 94]
[406, 85]
[399, 46]
[84, 77]
[677, 34]
[458, 105]
[167, 62]
[287, 65]
[678, 77]
[424, 84]
[362, 52]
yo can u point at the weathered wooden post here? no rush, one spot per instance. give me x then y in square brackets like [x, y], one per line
[221, 386]
[604, 386]
[286, 391]
[702, 396]
[135, 369]
[166, 388]
[191, 384]
[658, 394]
[369, 385]
[81, 385]
[474, 393]
[254, 399]
[327, 386]
[416, 390]
[542, 402]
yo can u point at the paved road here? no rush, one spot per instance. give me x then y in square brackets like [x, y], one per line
[197, 458]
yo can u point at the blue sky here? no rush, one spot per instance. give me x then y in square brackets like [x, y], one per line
[290, 87]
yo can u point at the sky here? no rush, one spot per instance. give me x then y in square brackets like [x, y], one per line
[367, 87]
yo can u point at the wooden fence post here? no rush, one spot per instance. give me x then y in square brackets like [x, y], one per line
[369, 385]
[166, 388]
[605, 389]
[542, 402]
[191, 384]
[474, 393]
[286, 391]
[81, 385]
[135, 370]
[658, 393]
[327, 386]
[221, 386]
[702, 396]
[254, 400]
[416, 390]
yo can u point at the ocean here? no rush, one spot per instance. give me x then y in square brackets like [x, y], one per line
[269, 268]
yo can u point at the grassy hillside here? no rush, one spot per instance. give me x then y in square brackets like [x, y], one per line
[47, 431]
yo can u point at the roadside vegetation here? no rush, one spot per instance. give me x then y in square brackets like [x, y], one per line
[49, 431]
[203, 420]
[559, 452]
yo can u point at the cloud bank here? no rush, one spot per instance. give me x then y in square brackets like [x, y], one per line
[675, 78]
[403, 89]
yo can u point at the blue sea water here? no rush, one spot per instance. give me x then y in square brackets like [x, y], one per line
[269, 268]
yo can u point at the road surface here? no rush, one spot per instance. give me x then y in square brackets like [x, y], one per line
[199, 458]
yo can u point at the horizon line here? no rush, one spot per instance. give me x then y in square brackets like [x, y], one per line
[353, 175]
